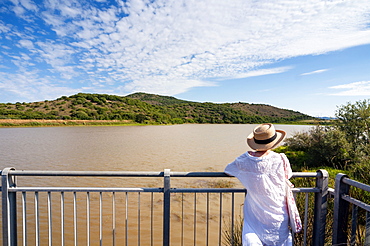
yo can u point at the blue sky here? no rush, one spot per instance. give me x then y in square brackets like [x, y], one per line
[309, 56]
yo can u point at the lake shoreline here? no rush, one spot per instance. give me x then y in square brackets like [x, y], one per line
[58, 123]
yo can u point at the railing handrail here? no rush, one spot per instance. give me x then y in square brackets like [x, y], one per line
[135, 174]
[355, 183]
[340, 193]
[10, 188]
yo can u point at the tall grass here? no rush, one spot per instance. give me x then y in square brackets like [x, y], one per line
[233, 236]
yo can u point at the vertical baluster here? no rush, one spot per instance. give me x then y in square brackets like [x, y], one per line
[24, 211]
[354, 224]
[139, 220]
[37, 217]
[126, 219]
[195, 218]
[305, 219]
[100, 218]
[62, 217]
[220, 221]
[75, 218]
[232, 217]
[114, 217]
[88, 217]
[50, 225]
[367, 235]
[207, 232]
[293, 234]
[151, 220]
[182, 219]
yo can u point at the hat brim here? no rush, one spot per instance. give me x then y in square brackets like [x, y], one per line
[260, 147]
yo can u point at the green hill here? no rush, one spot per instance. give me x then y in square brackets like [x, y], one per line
[147, 108]
[156, 99]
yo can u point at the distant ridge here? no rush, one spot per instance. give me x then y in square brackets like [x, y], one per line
[156, 99]
[250, 109]
[148, 109]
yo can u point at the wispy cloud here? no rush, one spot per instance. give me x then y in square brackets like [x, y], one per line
[262, 72]
[315, 72]
[361, 88]
[30, 85]
[170, 46]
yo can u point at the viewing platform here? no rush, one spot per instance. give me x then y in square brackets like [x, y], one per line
[179, 212]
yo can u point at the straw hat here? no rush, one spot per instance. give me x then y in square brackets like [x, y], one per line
[265, 137]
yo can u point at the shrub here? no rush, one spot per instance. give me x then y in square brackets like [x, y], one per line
[298, 158]
[321, 146]
[177, 121]
[81, 115]
[141, 118]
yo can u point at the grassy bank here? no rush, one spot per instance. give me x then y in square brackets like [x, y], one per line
[45, 123]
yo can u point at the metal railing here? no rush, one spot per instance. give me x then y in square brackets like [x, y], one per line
[33, 215]
[344, 205]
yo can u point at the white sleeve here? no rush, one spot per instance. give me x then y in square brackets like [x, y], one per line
[232, 169]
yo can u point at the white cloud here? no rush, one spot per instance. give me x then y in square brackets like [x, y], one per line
[4, 28]
[56, 54]
[26, 44]
[19, 10]
[170, 46]
[361, 88]
[28, 5]
[5, 67]
[28, 86]
[163, 85]
[52, 20]
[262, 72]
[315, 72]
[69, 11]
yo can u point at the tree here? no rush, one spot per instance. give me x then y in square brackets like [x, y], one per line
[80, 115]
[354, 121]
[141, 118]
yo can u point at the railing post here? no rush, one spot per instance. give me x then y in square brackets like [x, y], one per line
[341, 208]
[321, 208]
[166, 207]
[9, 207]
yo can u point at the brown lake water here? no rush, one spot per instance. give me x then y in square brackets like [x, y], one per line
[127, 148]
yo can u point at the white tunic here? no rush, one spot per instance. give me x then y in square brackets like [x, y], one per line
[265, 211]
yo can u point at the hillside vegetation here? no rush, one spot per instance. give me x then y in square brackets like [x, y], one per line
[147, 109]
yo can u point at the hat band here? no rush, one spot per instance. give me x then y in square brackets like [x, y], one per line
[265, 141]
